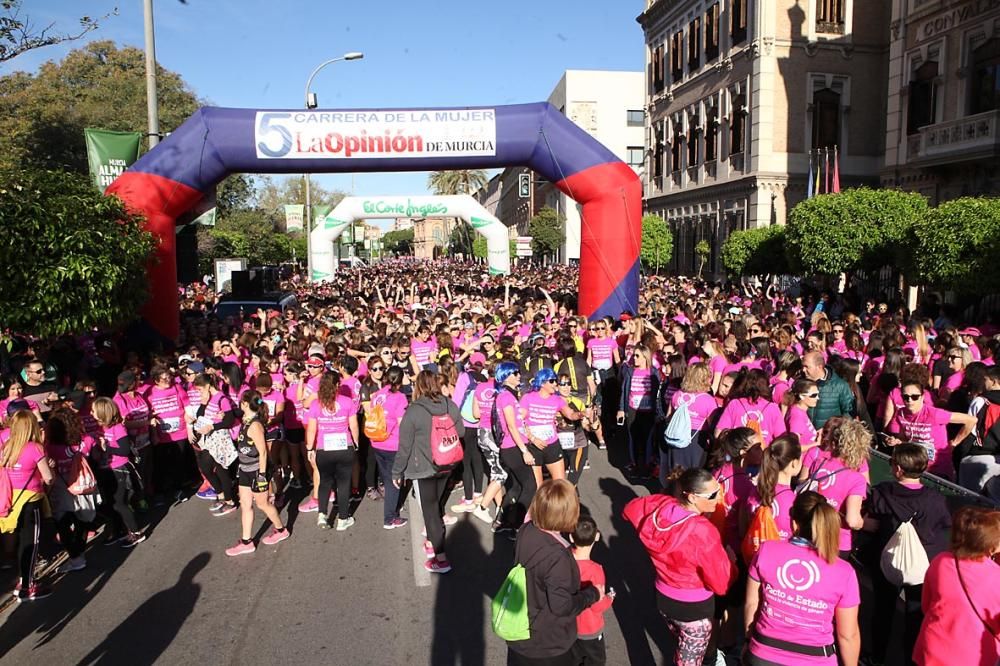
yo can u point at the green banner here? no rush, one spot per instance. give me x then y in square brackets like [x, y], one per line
[319, 213]
[109, 153]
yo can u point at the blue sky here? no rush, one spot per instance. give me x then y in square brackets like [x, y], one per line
[259, 53]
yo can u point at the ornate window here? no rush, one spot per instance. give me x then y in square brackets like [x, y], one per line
[738, 21]
[738, 125]
[694, 45]
[712, 33]
[922, 99]
[831, 16]
[711, 133]
[984, 83]
[825, 118]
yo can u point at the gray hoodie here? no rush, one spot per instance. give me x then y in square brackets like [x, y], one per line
[413, 461]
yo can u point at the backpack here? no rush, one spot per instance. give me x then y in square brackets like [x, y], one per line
[677, 434]
[376, 428]
[904, 559]
[495, 426]
[468, 400]
[988, 427]
[762, 528]
[509, 608]
[446, 445]
[81, 478]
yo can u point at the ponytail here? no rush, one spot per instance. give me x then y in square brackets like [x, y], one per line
[819, 523]
[256, 403]
[784, 450]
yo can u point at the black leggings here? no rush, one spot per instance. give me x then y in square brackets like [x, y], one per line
[575, 460]
[472, 464]
[169, 473]
[29, 528]
[72, 534]
[520, 486]
[335, 467]
[221, 478]
[430, 492]
[120, 494]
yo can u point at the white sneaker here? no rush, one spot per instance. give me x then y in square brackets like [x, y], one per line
[344, 524]
[483, 514]
[321, 521]
[464, 506]
[74, 564]
[448, 519]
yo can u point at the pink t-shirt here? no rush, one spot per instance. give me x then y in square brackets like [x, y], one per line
[836, 482]
[800, 594]
[394, 405]
[781, 507]
[24, 474]
[504, 400]
[134, 408]
[539, 414]
[167, 405]
[111, 437]
[797, 421]
[63, 455]
[602, 352]
[779, 387]
[640, 395]
[272, 399]
[293, 408]
[717, 364]
[333, 432]
[700, 406]
[741, 413]
[423, 352]
[736, 489]
[351, 387]
[927, 427]
[485, 393]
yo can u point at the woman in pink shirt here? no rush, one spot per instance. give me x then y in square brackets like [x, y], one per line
[136, 418]
[801, 599]
[29, 472]
[922, 423]
[961, 595]
[749, 407]
[167, 401]
[393, 401]
[958, 359]
[805, 396]
[115, 477]
[700, 404]
[539, 409]
[780, 465]
[332, 442]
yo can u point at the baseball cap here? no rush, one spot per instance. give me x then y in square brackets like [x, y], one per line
[184, 358]
[314, 362]
[196, 366]
[477, 358]
[17, 405]
[972, 330]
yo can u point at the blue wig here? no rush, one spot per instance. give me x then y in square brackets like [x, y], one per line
[542, 376]
[505, 370]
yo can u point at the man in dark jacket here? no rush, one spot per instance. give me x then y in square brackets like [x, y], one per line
[835, 396]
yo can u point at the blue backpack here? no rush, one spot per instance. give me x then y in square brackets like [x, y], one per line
[677, 434]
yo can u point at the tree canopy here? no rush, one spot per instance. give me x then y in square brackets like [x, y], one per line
[657, 243]
[398, 242]
[758, 251]
[956, 245]
[857, 228]
[461, 181]
[70, 255]
[19, 34]
[547, 231]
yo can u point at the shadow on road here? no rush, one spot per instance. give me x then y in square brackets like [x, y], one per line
[463, 596]
[628, 570]
[143, 636]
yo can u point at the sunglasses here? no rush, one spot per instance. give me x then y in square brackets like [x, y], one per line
[838, 330]
[810, 395]
[516, 372]
[602, 328]
[708, 496]
[755, 331]
[912, 397]
[565, 383]
[550, 381]
[385, 353]
[376, 368]
[954, 358]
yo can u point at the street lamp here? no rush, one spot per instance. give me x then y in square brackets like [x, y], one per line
[312, 103]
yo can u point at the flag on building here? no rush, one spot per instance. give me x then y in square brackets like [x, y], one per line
[826, 168]
[836, 171]
[816, 189]
[810, 191]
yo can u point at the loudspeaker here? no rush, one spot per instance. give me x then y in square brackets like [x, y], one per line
[247, 284]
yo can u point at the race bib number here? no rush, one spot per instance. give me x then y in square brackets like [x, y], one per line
[335, 441]
[544, 433]
[931, 451]
[191, 410]
[170, 424]
[567, 440]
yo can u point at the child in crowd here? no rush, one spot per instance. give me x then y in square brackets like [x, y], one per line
[589, 648]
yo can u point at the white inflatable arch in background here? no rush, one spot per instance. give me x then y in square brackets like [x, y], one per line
[461, 206]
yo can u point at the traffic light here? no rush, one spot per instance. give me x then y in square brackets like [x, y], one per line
[524, 185]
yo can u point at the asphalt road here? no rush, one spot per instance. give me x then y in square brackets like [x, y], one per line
[320, 597]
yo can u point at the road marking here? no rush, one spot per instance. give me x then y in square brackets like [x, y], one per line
[421, 577]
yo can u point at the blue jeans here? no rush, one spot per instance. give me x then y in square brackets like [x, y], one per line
[390, 504]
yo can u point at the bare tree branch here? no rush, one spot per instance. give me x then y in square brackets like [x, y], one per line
[19, 35]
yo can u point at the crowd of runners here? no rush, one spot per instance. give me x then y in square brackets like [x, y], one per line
[419, 377]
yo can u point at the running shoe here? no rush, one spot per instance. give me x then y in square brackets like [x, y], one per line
[216, 506]
[33, 593]
[448, 519]
[225, 510]
[356, 495]
[276, 536]
[602, 446]
[321, 521]
[437, 566]
[181, 497]
[483, 514]
[133, 540]
[207, 495]
[78, 563]
[241, 548]
[309, 505]
[114, 538]
[586, 465]
[343, 524]
[428, 550]
[394, 523]
[372, 494]
[295, 484]
[465, 506]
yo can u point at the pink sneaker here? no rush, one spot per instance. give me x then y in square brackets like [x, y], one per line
[437, 566]
[275, 537]
[428, 550]
[310, 505]
[241, 549]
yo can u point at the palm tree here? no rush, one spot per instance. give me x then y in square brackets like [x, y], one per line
[463, 181]
[456, 182]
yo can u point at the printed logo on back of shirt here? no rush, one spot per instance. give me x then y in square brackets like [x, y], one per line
[798, 575]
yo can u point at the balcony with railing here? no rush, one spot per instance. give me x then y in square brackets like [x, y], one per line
[969, 138]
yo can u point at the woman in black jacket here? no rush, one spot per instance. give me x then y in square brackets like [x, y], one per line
[553, 579]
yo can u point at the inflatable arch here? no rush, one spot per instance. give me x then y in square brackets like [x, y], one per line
[462, 206]
[215, 142]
